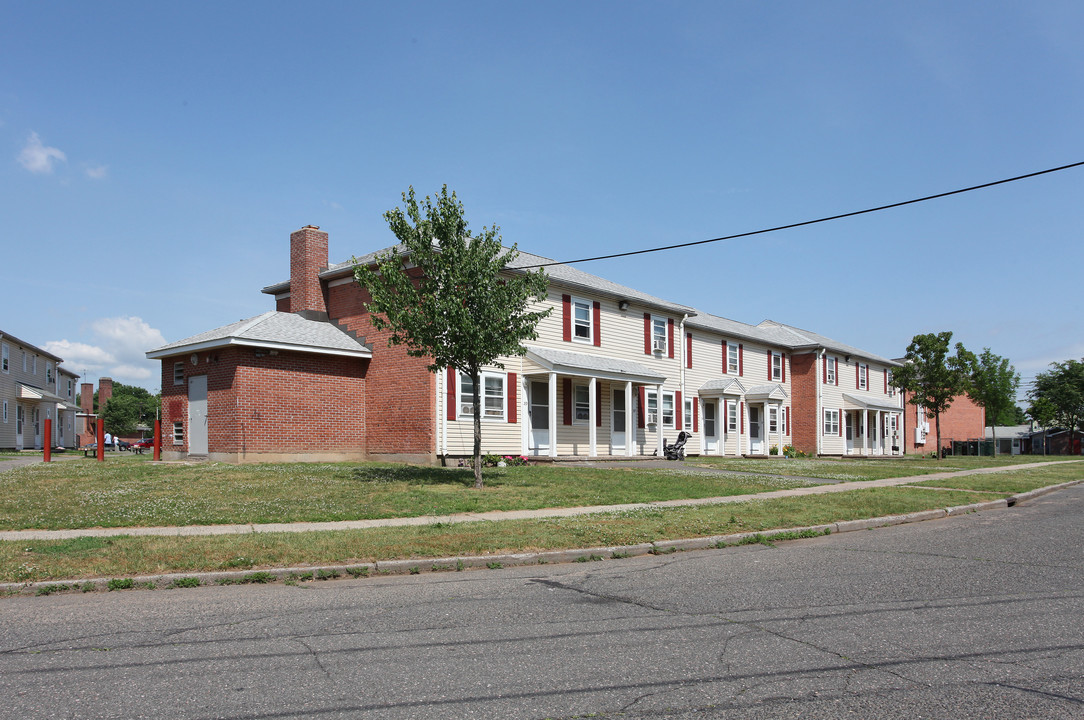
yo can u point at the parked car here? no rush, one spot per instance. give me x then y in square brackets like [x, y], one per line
[140, 445]
[124, 445]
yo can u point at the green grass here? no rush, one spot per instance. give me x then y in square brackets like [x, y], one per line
[851, 470]
[1012, 481]
[132, 492]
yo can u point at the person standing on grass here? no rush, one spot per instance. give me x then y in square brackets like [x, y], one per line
[108, 438]
[116, 443]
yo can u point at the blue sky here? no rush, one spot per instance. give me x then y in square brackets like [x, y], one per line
[155, 157]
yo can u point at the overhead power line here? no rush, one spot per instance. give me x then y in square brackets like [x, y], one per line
[806, 222]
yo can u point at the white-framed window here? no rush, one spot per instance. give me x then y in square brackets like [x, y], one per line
[48, 372]
[732, 416]
[732, 362]
[863, 376]
[668, 409]
[24, 360]
[178, 433]
[783, 421]
[829, 371]
[492, 396]
[581, 320]
[891, 387]
[34, 365]
[5, 358]
[178, 373]
[773, 419]
[71, 388]
[658, 334]
[831, 422]
[652, 401]
[688, 402]
[777, 366]
[581, 408]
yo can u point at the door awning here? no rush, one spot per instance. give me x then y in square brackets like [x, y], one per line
[855, 402]
[30, 392]
[597, 366]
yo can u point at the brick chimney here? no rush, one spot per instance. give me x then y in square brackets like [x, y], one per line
[105, 391]
[308, 256]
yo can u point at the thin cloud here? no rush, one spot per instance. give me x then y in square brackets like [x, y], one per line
[38, 158]
[98, 172]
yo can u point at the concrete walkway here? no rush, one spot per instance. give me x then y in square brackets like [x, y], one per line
[495, 515]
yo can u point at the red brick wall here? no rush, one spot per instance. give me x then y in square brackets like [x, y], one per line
[964, 420]
[308, 256]
[289, 403]
[400, 409]
[803, 385]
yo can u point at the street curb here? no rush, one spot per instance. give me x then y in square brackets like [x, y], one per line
[417, 566]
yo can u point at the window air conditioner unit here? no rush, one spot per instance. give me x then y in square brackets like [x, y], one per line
[658, 345]
[466, 409]
[652, 418]
[920, 437]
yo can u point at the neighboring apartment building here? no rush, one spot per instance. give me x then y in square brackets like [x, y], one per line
[33, 388]
[963, 420]
[614, 372]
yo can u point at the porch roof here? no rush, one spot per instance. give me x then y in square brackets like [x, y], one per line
[855, 402]
[599, 366]
[721, 386]
[772, 391]
[31, 392]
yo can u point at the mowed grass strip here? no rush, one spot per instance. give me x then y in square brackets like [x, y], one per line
[856, 469]
[129, 491]
[30, 561]
[1012, 481]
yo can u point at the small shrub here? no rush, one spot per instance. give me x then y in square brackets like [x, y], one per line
[260, 577]
[415, 570]
[327, 574]
[120, 584]
[494, 565]
[773, 450]
[360, 572]
[185, 582]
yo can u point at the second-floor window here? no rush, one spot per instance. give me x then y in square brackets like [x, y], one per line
[49, 373]
[891, 389]
[4, 358]
[178, 373]
[863, 376]
[581, 320]
[732, 358]
[658, 334]
[777, 366]
[829, 371]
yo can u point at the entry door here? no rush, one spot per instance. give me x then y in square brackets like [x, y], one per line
[197, 415]
[36, 414]
[711, 427]
[19, 419]
[618, 419]
[539, 410]
[756, 427]
[849, 431]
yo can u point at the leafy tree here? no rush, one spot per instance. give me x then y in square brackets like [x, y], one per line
[129, 406]
[455, 304]
[1058, 395]
[931, 376]
[1042, 411]
[992, 383]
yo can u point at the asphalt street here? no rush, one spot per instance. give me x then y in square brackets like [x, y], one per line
[977, 616]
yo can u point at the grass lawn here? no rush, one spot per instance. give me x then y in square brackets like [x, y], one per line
[850, 470]
[34, 560]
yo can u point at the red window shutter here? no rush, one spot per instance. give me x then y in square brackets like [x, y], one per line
[598, 402]
[825, 380]
[688, 350]
[696, 414]
[787, 415]
[725, 352]
[647, 335]
[640, 408]
[769, 364]
[451, 401]
[670, 337]
[597, 318]
[783, 366]
[838, 370]
[567, 387]
[566, 318]
[841, 422]
[741, 361]
[512, 405]
[679, 411]
[857, 375]
[886, 382]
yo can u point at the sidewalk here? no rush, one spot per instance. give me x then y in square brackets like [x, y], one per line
[496, 515]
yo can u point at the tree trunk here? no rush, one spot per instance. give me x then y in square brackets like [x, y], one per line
[937, 423]
[476, 393]
[993, 434]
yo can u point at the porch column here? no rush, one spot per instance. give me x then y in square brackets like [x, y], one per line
[592, 428]
[865, 432]
[630, 438]
[878, 439]
[553, 414]
[743, 429]
[658, 421]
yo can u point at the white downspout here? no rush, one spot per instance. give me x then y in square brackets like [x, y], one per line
[820, 400]
[684, 362]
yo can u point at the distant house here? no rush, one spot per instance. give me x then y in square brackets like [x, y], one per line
[1057, 441]
[1011, 439]
[614, 372]
[34, 388]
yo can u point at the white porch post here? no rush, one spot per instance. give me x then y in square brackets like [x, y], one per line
[744, 446]
[553, 414]
[592, 427]
[630, 438]
[658, 421]
[865, 432]
[878, 440]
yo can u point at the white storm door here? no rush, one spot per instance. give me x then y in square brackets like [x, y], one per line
[19, 419]
[618, 420]
[197, 415]
[711, 427]
[539, 410]
[756, 434]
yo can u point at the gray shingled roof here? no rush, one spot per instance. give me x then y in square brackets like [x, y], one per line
[564, 360]
[277, 330]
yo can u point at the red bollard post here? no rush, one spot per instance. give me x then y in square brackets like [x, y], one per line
[157, 439]
[48, 439]
[101, 440]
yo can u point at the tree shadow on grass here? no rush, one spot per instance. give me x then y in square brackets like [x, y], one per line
[418, 475]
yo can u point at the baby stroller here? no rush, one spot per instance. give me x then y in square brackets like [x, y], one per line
[677, 450]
